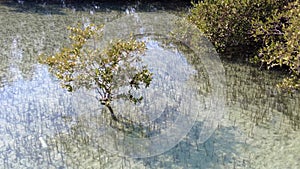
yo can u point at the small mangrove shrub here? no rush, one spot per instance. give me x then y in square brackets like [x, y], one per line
[114, 72]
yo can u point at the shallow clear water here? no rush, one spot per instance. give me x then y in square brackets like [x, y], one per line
[43, 126]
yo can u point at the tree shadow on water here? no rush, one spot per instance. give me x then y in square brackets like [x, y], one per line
[221, 150]
[224, 149]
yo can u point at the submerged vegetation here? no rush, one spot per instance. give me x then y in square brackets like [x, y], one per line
[43, 127]
[267, 32]
[114, 72]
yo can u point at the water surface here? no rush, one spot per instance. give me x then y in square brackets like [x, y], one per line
[43, 126]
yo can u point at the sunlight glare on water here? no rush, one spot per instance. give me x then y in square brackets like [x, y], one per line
[43, 126]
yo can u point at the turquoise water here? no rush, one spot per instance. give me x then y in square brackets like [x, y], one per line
[43, 126]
